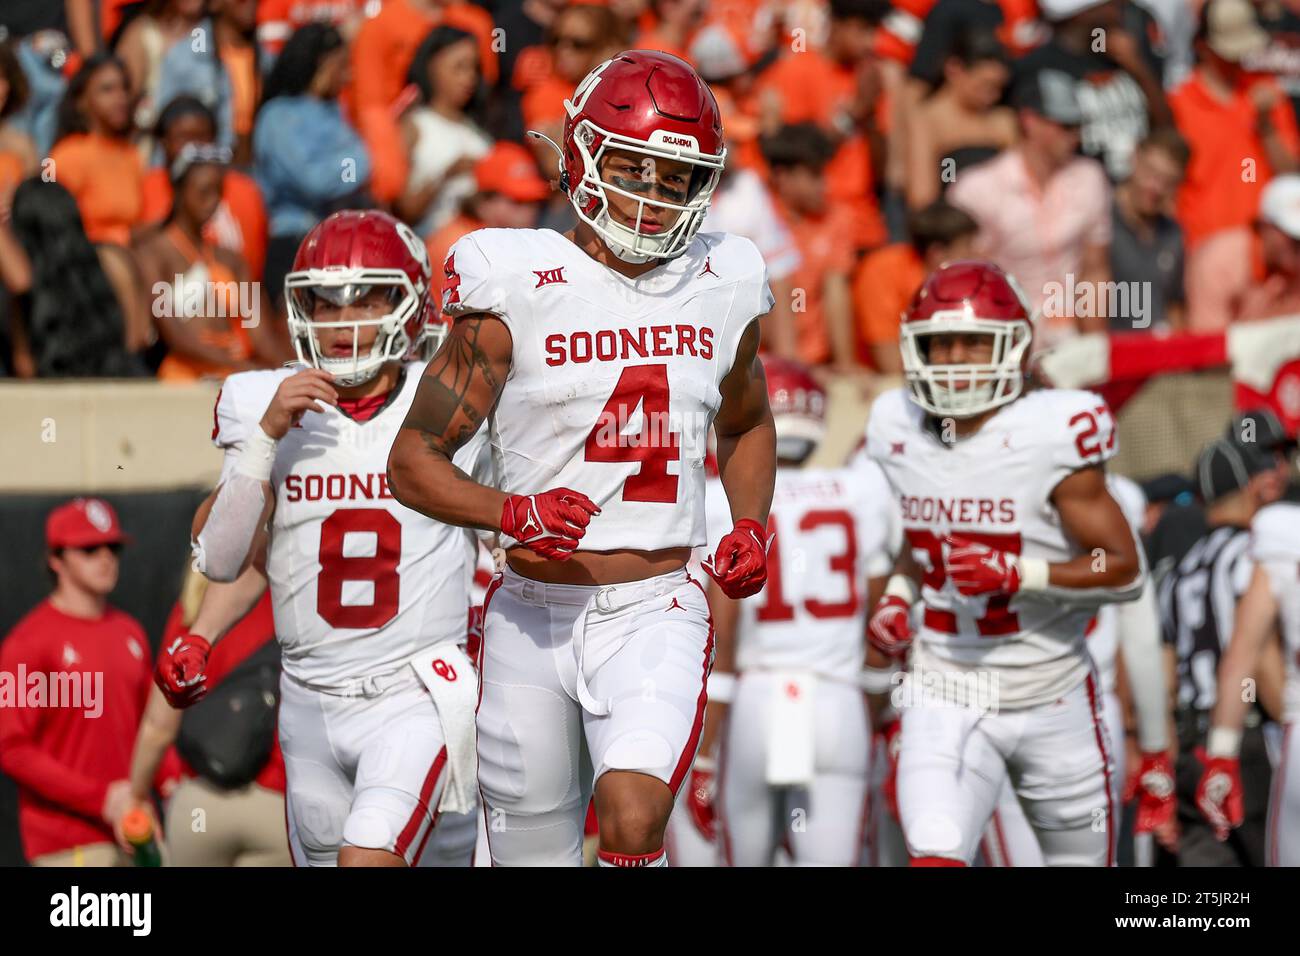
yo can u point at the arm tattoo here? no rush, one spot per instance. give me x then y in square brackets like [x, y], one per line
[443, 397]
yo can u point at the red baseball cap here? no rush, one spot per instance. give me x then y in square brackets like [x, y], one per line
[509, 169]
[83, 523]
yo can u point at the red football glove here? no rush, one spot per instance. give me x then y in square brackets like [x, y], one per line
[179, 674]
[699, 798]
[889, 786]
[976, 568]
[1219, 795]
[550, 523]
[1153, 785]
[890, 628]
[740, 564]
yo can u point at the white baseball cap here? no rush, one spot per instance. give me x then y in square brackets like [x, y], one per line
[1232, 30]
[1279, 204]
[1057, 10]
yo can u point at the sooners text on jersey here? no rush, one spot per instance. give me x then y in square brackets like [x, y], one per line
[614, 381]
[994, 487]
[360, 583]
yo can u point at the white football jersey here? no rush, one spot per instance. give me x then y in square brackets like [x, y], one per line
[359, 582]
[835, 528]
[1275, 545]
[994, 487]
[614, 382]
[1103, 636]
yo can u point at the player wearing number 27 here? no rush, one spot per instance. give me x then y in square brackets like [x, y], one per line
[370, 598]
[1014, 543]
[600, 358]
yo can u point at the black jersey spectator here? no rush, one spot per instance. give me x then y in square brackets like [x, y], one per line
[1118, 90]
[1281, 58]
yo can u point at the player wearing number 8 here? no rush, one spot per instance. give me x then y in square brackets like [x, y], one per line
[1015, 541]
[370, 598]
[600, 358]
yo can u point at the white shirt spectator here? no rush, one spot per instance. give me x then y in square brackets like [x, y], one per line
[742, 206]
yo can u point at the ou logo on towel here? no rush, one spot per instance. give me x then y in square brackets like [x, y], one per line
[444, 670]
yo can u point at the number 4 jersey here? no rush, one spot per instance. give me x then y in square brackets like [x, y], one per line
[994, 487]
[359, 583]
[614, 382]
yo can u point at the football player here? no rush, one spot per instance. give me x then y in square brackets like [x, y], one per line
[1271, 602]
[370, 598]
[786, 695]
[1014, 542]
[600, 358]
[1127, 633]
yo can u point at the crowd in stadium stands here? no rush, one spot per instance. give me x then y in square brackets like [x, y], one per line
[1073, 141]
[161, 160]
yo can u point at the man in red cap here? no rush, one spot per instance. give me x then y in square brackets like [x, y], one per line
[74, 677]
[510, 193]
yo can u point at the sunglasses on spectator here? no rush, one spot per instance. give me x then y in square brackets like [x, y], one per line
[578, 43]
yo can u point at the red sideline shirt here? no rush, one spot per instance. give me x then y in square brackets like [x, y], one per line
[64, 757]
[253, 630]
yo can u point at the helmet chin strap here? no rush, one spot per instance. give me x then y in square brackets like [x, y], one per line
[609, 232]
[347, 380]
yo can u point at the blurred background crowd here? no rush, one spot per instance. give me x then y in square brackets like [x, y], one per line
[1148, 144]
[1134, 163]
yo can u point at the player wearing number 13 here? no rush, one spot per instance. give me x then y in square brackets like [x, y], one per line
[600, 358]
[1015, 542]
[370, 598]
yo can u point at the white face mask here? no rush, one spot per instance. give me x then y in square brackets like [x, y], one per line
[629, 243]
[969, 389]
[342, 288]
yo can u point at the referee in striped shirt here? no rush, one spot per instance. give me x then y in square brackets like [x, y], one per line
[1198, 603]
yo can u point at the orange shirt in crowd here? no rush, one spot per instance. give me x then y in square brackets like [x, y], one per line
[278, 19]
[883, 286]
[440, 243]
[106, 176]
[813, 89]
[543, 103]
[110, 15]
[532, 66]
[826, 247]
[181, 368]
[652, 40]
[381, 55]
[386, 44]
[241, 67]
[1217, 193]
[239, 223]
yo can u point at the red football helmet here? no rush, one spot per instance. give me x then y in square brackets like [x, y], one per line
[969, 296]
[798, 407]
[654, 105]
[339, 262]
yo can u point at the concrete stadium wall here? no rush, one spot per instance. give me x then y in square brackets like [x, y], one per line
[99, 437]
